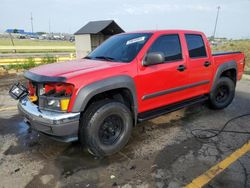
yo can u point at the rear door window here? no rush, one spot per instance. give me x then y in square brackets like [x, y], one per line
[196, 46]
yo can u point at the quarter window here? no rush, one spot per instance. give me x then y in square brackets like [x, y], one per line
[169, 45]
[196, 46]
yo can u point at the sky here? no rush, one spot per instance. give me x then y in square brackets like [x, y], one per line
[70, 15]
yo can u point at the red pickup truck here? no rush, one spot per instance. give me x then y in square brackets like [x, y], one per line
[129, 78]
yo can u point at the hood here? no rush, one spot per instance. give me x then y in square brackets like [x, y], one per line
[69, 69]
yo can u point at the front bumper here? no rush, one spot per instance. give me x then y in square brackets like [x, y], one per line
[58, 125]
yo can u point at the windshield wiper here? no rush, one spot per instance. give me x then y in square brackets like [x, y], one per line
[105, 58]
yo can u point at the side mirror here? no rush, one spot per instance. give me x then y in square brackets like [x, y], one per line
[153, 59]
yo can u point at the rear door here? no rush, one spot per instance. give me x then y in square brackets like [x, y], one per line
[199, 63]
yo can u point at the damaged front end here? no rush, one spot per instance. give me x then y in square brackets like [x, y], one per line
[45, 106]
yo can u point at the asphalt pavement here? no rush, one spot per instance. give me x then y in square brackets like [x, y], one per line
[161, 152]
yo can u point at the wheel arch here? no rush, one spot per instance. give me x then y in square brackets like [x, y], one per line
[227, 69]
[118, 85]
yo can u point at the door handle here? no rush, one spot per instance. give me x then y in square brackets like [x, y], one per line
[181, 68]
[207, 64]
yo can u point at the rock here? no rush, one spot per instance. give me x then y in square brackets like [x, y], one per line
[46, 178]
[173, 185]
[159, 174]
[20, 70]
[12, 71]
[144, 185]
[2, 71]
[132, 167]
[114, 184]
[16, 170]
[159, 184]
[138, 181]
[126, 186]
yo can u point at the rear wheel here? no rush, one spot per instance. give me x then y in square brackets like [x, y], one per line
[105, 127]
[223, 93]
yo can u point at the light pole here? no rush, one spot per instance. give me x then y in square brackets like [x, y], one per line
[31, 20]
[216, 21]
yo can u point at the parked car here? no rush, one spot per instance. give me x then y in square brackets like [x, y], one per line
[130, 78]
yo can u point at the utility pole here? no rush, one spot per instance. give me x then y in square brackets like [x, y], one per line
[31, 20]
[49, 27]
[216, 21]
[12, 42]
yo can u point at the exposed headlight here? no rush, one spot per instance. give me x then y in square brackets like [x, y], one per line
[53, 102]
[55, 96]
[57, 104]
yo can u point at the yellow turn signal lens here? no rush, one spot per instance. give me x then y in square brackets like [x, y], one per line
[64, 104]
[33, 98]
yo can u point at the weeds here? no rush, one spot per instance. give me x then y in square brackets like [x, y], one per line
[237, 45]
[49, 59]
[30, 63]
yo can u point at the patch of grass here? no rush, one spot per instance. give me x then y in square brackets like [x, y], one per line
[36, 51]
[27, 65]
[247, 72]
[35, 42]
[49, 59]
[237, 45]
[30, 63]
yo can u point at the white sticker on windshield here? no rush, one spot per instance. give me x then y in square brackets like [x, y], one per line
[139, 39]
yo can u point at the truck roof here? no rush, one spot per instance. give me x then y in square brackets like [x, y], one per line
[167, 31]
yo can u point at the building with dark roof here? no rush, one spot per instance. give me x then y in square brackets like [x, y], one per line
[93, 34]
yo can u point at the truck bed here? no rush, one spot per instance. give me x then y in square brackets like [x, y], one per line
[222, 57]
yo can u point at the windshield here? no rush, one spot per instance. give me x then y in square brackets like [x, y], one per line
[121, 48]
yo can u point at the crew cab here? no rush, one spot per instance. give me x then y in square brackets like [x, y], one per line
[129, 78]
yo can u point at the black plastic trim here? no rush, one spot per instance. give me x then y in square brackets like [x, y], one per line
[65, 139]
[43, 79]
[164, 92]
[170, 108]
[87, 92]
[225, 53]
[224, 67]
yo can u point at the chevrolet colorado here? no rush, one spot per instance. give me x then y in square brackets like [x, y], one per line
[129, 78]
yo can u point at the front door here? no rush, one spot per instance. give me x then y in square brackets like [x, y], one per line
[161, 84]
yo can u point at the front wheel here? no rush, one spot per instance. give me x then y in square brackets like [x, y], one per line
[223, 93]
[105, 127]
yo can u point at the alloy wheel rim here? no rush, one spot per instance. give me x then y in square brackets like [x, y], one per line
[222, 94]
[110, 129]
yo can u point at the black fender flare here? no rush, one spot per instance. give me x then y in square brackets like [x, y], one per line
[116, 82]
[223, 67]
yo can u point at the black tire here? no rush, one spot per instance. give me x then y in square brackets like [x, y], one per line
[105, 127]
[223, 93]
